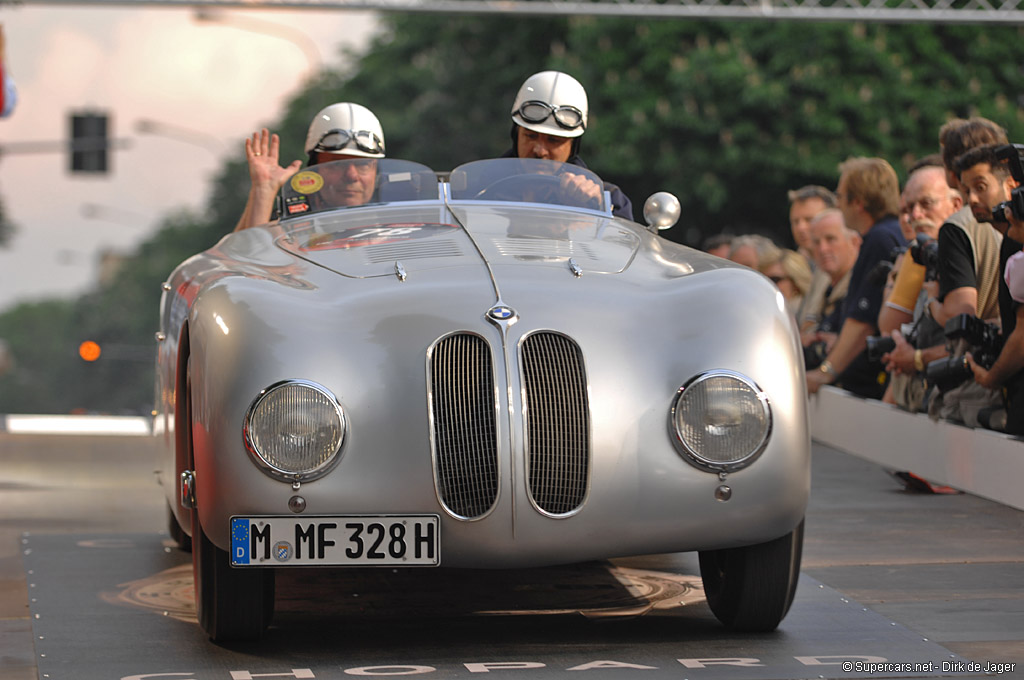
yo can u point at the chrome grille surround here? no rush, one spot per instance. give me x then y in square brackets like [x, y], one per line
[463, 409]
[556, 412]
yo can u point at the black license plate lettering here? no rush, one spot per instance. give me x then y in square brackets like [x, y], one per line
[376, 529]
[355, 549]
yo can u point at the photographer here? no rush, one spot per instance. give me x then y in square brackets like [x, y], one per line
[1006, 172]
[910, 337]
[968, 269]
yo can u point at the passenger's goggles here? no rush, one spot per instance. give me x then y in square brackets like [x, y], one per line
[567, 117]
[336, 140]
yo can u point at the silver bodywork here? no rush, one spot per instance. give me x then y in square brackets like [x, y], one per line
[367, 322]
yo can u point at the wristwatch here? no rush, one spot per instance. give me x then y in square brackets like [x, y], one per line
[827, 368]
[918, 361]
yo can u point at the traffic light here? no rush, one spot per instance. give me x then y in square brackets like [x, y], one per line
[89, 142]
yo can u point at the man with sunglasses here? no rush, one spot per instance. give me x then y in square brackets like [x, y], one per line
[549, 116]
[344, 131]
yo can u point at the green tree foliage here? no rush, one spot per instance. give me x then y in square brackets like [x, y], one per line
[726, 115]
[729, 116]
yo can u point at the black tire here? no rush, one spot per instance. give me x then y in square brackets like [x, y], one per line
[178, 534]
[751, 588]
[231, 604]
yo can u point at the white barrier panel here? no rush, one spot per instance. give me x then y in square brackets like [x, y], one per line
[85, 424]
[981, 462]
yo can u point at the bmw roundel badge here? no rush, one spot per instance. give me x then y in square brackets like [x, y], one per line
[500, 313]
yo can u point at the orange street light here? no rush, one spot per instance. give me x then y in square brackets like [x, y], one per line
[89, 351]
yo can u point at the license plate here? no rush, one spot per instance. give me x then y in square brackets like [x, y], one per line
[349, 541]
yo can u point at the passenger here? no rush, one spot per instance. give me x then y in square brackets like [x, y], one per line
[835, 248]
[341, 131]
[549, 116]
[804, 204]
[927, 201]
[868, 196]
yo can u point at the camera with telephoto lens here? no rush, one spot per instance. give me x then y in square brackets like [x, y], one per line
[880, 272]
[925, 252]
[1013, 154]
[880, 345]
[965, 333]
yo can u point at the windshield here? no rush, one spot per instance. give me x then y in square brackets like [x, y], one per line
[355, 182]
[529, 180]
[369, 181]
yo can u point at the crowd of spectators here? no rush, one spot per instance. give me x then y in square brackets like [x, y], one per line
[911, 295]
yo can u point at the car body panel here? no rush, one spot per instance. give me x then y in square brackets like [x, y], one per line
[351, 302]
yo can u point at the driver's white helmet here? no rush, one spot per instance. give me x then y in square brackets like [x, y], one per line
[553, 103]
[346, 128]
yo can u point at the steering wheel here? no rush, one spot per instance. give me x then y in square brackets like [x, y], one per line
[545, 189]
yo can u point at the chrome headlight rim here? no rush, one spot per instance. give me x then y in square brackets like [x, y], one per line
[694, 457]
[277, 472]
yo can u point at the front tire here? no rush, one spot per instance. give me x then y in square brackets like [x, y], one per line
[751, 588]
[231, 604]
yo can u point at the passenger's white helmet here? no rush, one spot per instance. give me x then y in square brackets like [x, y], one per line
[346, 128]
[553, 103]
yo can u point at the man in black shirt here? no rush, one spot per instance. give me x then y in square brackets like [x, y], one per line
[1007, 372]
[868, 196]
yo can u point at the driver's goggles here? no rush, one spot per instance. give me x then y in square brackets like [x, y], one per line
[567, 117]
[336, 140]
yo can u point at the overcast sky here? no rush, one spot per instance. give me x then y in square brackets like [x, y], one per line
[213, 82]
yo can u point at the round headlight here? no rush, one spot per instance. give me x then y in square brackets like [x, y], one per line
[294, 430]
[721, 421]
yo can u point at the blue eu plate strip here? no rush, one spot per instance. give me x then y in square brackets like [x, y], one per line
[239, 541]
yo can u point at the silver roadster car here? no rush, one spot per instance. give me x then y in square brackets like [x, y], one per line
[476, 369]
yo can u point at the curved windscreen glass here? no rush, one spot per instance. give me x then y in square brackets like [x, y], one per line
[528, 180]
[356, 182]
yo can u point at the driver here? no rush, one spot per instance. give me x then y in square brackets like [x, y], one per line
[343, 131]
[549, 116]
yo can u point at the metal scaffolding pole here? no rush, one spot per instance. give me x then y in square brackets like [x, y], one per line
[885, 11]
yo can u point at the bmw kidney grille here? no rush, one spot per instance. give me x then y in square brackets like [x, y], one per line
[557, 422]
[464, 430]
[464, 412]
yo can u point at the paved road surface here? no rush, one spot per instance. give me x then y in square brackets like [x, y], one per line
[947, 569]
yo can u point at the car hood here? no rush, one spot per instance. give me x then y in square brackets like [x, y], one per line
[368, 243]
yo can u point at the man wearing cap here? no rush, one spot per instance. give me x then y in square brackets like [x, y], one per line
[344, 131]
[549, 116]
